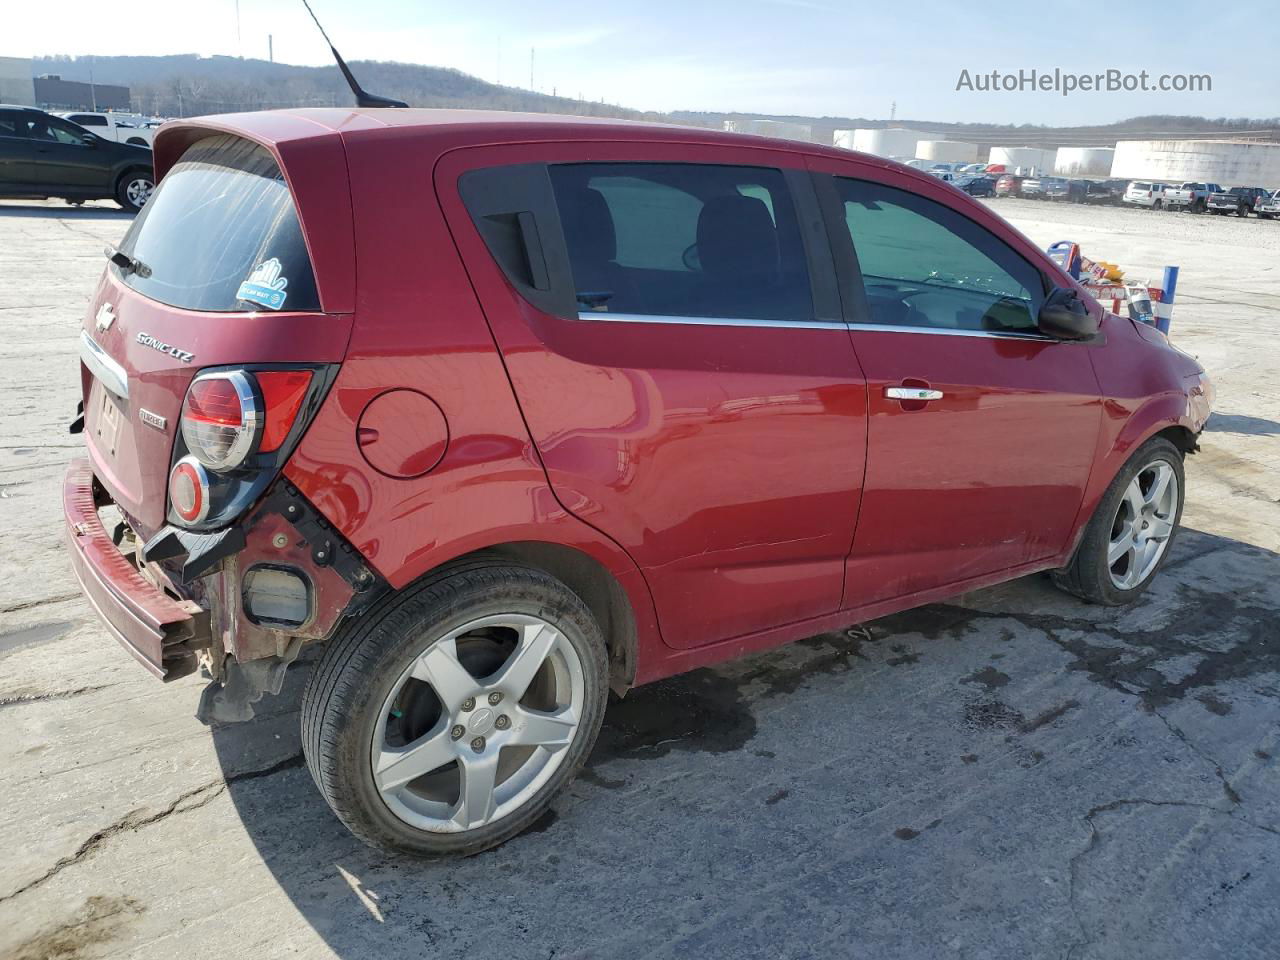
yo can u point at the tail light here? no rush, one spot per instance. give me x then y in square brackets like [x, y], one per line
[234, 426]
[229, 415]
[222, 419]
[189, 490]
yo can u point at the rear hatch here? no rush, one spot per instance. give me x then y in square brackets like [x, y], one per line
[218, 273]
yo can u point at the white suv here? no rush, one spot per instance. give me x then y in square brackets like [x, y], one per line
[1143, 193]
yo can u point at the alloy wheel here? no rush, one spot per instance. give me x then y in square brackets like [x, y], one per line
[1143, 524]
[138, 191]
[477, 723]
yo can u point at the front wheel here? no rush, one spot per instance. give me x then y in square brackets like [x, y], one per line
[446, 720]
[1128, 538]
[133, 190]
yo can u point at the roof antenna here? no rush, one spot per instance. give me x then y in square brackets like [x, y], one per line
[363, 99]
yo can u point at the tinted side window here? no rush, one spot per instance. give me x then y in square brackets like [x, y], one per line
[221, 233]
[11, 126]
[61, 131]
[924, 265]
[87, 120]
[683, 240]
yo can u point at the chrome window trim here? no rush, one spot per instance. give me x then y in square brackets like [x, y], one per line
[953, 332]
[710, 321]
[109, 373]
[807, 325]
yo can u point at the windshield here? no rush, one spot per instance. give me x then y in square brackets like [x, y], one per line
[221, 233]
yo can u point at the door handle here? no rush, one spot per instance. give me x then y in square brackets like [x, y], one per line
[912, 393]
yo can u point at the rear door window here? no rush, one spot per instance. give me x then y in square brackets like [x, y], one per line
[683, 240]
[221, 233]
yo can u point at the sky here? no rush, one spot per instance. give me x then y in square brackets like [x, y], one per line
[811, 57]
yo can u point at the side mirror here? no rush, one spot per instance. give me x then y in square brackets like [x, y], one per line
[89, 140]
[1065, 316]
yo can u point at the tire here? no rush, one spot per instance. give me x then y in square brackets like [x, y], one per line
[134, 188]
[1158, 205]
[362, 706]
[1089, 575]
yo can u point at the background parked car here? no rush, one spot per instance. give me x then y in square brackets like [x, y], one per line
[120, 127]
[1033, 188]
[44, 156]
[1144, 193]
[1054, 188]
[1268, 207]
[981, 186]
[1105, 191]
[1189, 196]
[1009, 185]
[1237, 200]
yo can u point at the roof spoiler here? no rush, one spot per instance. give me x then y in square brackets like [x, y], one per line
[363, 98]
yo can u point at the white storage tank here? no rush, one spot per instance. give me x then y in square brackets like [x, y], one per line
[1231, 163]
[1084, 161]
[783, 129]
[887, 142]
[1025, 157]
[948, 151]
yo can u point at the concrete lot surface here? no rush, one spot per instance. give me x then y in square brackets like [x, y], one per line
[1012, 774]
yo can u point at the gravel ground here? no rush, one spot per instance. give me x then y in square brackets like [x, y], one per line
[1010, 774]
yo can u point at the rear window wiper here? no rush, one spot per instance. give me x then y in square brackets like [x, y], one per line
[125, 262]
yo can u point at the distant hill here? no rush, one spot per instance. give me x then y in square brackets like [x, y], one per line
[188, 85]
[1156, 127]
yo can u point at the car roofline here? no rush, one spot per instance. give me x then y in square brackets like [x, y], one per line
[272, 128]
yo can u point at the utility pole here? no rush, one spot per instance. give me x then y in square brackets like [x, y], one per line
[531, 86]
[893, 111]
[239, 53]
[93, 91]
[271, 52]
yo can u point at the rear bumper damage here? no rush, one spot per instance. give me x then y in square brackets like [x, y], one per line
[164, 634]
[179, 602]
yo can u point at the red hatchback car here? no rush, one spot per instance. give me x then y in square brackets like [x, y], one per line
[510, 411]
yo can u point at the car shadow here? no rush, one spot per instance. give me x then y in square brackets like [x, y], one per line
[64, 211]
[1242, 423]
[728, 811]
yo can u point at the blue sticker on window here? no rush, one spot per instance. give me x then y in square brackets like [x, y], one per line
[265, 286]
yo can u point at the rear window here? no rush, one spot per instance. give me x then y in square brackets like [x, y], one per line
[221, 233]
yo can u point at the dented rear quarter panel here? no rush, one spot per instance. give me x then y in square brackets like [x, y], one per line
[419, 326]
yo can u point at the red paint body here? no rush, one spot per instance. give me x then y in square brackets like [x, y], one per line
[743, 486]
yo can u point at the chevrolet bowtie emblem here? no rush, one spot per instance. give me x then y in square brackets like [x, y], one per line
[106, 317]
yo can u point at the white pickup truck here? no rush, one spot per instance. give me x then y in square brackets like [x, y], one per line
[1190, 196]
[1268, 207]
[120, 127]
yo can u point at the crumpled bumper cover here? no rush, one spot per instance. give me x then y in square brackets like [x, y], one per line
[161, 632]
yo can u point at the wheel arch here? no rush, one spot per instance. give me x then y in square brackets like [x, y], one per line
[588, 577]
[129, 168]
[1162, 416]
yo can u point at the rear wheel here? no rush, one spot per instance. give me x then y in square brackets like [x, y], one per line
[445, 721]
[1128, 538]
[134, 188]
[1158, 205]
